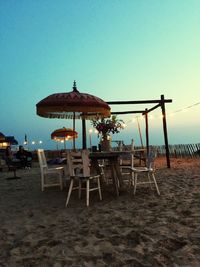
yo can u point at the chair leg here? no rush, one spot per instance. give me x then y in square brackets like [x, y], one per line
[149, 177]
[99, 186]
[87, 192]
[102, 173]
[135, 183]
[79, 188]
[70, 191]
[154, 178]
[42, 182]
[131, 180]
[61, 181]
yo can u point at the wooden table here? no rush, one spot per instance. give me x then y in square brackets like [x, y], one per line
[113, 157]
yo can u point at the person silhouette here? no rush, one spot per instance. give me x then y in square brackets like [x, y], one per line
[24, 156]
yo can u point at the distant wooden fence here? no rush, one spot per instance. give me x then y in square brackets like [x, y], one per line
[175, 151]
[180, 151]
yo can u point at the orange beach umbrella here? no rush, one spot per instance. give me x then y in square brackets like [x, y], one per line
[64, 134]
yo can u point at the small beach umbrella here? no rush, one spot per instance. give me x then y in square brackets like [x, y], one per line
[3, 142]
[73, 105]
[7, 140]
[2, 137]
[64, 134]
[11, 140]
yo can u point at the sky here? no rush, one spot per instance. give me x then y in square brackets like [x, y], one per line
[114, 49]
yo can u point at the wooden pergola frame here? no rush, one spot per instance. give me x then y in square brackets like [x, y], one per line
[159, 103]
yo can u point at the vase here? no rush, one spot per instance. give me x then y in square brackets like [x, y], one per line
[106, 143]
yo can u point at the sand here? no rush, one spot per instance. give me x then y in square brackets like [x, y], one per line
[36, 229]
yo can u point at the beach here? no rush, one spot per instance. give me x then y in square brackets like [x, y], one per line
[37, 229]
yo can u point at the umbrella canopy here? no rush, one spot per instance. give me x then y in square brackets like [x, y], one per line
[7, 141]
[73, 105]
[64, 133]
[11, 140]
[2, 137]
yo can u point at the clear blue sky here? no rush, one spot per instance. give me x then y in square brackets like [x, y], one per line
[116, 50]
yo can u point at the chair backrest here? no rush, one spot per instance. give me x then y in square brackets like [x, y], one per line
[123, 147]
[86, 163]
[74, 162]
[151, 159]
[78, 163]
[42, 159]
[129, 156]
[127, 159]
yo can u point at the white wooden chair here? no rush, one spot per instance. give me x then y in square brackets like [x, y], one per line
[127, 163]
[46, 171]
[126, 166]
[149, 170]
[79, 169]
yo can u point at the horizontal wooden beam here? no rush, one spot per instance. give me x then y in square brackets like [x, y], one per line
[127, 112]
[138, 102]
[151, 109]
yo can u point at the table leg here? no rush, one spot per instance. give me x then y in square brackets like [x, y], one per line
[114, 178]
[118, 173]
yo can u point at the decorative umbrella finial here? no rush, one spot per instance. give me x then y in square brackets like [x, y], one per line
[74, 87]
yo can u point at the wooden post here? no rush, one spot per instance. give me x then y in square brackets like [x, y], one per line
[147, 130]
[165, 130]
[84, 141]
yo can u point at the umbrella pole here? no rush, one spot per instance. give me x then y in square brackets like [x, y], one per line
[64, 144]
[74, 130]
[84, 142]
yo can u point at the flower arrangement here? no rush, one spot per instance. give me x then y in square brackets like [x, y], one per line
[106, 126]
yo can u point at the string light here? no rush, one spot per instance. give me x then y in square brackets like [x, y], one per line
[151, 117]
[172, 114]
[188, 107]
[36, 142]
